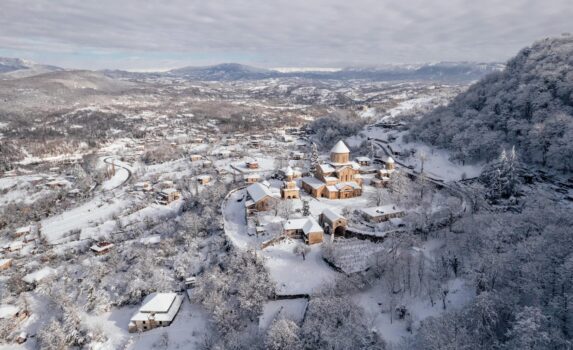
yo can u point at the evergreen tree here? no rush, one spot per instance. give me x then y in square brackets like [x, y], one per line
[314, 162]
[305, 208]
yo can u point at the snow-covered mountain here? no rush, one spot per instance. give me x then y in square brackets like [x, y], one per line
[443, 71]
[225, 71]
[11, 68]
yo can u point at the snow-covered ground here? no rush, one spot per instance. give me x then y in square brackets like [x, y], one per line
[376, 304]
[437, 162]
[290, 309]
[293, 275]
[81, 218]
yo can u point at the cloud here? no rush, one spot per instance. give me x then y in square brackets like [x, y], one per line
[104, 33]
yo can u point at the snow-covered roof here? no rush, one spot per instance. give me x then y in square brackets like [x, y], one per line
[313, 182]
[390, 160]
[39, 275]
[311, 226]
[16, 245]
[340, 147]
[363, 159]
[160, 307]
[252, 176]
[331, 215]
[168, 191]
[341, 185]
[258, 191]
[160, 302]
[25, 229]
[5, 261]
[289, 171]
[381, 210]
[151, 239]
[295, 224]
[99, 247]
[327, 168]
[8, 311]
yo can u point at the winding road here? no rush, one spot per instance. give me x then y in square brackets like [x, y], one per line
[119, 165]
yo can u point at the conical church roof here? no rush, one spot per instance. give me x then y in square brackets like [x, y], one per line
[340, 147]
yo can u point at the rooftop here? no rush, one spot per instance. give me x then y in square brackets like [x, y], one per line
[161, 302]
[311, 226]
[382, 210]
[258, 191]
[340, 147]
[331, 215]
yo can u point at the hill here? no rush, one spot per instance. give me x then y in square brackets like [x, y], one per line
[57, 89]
[528, 105]
[443, 71]
[13, 68]
[225, 71]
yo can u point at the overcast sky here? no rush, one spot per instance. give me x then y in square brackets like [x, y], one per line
[152, 34]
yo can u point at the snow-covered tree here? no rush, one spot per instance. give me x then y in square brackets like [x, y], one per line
[283, 334]
[314, 160]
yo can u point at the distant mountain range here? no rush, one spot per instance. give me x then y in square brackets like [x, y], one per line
[13, 68]
[443, 71]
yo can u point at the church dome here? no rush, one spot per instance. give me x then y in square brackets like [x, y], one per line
[340, 147]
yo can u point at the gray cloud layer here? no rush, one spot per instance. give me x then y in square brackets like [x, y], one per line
[151, 33]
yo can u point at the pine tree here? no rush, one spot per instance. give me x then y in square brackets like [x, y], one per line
[305, 208]
[502, 177]
[314, 162]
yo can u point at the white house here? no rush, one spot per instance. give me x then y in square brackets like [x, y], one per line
[158, 310]
[382, 213]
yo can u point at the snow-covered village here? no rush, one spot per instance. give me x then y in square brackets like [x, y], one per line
[413, 206]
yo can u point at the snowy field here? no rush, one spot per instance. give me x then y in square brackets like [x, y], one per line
[81, 218]
[290, 309]
[375, 303]
[293, 275]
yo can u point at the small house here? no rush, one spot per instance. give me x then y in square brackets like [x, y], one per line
[259, 198]
[333, 222]
[304, 228]
[223, 153]
[252, 164]
[22, 337]
[16, 246]
[203, 179]
[190, 282]
[143, 186]
[101, 248]
[195, 157]
[168, 195]
[5, 264]
[296, 155]
[363, 161]
[381, 213]
[26, 230]
[252, 178]
[158, 310]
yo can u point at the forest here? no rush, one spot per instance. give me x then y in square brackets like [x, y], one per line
[528, 105]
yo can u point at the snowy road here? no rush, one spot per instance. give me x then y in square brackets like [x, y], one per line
[121, 176]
